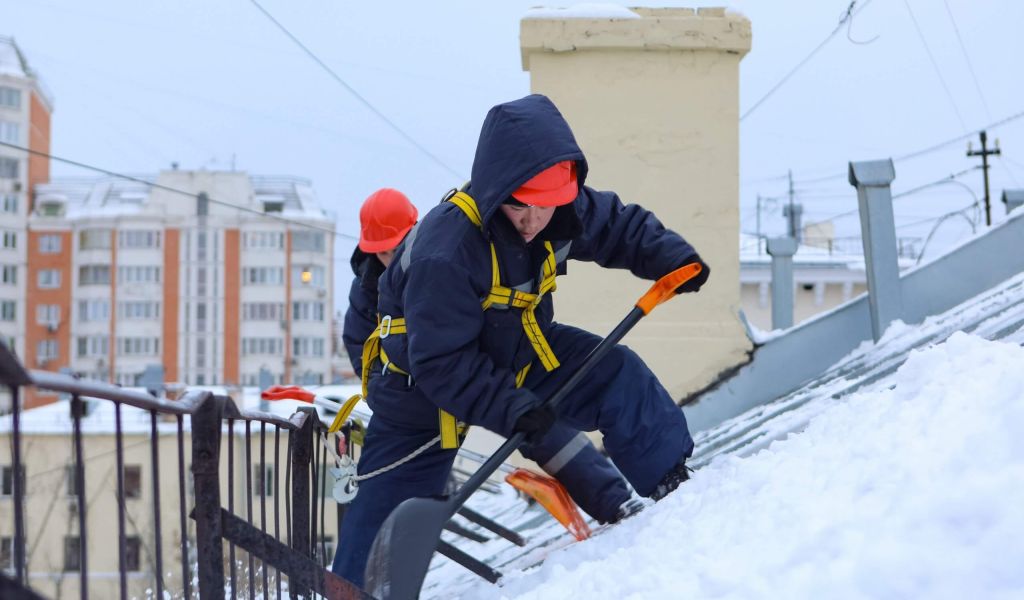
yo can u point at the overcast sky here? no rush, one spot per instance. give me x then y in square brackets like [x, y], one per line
[139, 85]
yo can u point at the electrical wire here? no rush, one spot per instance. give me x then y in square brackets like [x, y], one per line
[947, 179]
[847, 16]
[366, 103]
[926, 150]
[166, 188]
[935, 64]
[967, 59]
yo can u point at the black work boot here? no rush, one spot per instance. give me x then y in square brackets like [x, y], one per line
[628, 509]
[677, 475]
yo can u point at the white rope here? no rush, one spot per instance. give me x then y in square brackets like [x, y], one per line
[399, 462]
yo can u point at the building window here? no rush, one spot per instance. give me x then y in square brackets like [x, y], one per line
[262, 311]
[307, 241]
[263, 276]
[261, 240]
[48, 279]
[307, 346]
[138, 274]
[49, 243]
[93, 310]
[94, 275]
[9, 203]
[9, 275]
[46, 350]
[132, 481]
[10, 97]
[138, 310]
[132, 554]
[314, 278]
[48, 314]
[8, 167]
[271, 346]
[308, 311]
[9, 239]
[94, 239]
[9, 310]
[10, 132]
[138, 238]
[50, 208]
[138, 346]
[263, 480]
[93, 346]
[72, 553]
[7, 481]
[6, 553]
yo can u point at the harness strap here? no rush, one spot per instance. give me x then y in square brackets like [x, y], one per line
[386, 325]
[500, 294]
[451, 429]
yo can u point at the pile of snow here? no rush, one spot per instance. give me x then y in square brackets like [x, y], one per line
[915, 491]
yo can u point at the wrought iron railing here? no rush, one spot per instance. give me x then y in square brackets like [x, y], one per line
[267, 538]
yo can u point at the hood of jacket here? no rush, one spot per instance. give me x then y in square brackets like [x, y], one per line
[518, 140]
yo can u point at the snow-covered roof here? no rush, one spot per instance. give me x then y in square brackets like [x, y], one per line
[14, 64]
[106, 196]
[754, 255]
[897, 473]
[586, 10]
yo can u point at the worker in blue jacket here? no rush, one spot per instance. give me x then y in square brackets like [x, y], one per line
[467, 336]
[386, 218]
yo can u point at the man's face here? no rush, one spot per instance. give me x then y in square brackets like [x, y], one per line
[386, 256]
[528, 220]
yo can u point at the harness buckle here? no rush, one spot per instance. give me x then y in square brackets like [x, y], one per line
[385, 326]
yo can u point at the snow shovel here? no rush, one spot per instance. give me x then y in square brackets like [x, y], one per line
[402, 550]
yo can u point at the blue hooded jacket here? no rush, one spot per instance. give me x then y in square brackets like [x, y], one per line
[361, 316]
[462, 358]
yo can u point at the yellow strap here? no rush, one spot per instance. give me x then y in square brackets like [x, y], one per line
[449, 430]
[468, 206]
[521, 375]
[371, 347]
[450, 427]
[500, 294]
[342, 416]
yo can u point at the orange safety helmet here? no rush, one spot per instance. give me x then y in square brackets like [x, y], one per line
[385, 218]
[554, 186]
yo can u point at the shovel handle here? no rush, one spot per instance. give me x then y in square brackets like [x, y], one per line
[662, 290]
[666, 287]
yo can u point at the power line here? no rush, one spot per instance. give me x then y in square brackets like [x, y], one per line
[947, 179]
[159, 186]
[967, 58]
[847, 16]
[927, 150]
[356, 94]
[935, 64]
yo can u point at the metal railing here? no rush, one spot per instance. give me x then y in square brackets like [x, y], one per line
[275, 531]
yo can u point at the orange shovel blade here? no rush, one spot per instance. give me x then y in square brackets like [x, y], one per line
[552, 496]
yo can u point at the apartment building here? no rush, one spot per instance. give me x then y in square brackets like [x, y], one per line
[217, 278]
[25, 108]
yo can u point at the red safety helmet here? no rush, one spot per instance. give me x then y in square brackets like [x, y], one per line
[554, 186]
[385, 218]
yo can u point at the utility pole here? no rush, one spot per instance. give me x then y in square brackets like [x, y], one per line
[984, 153]
[793, 211]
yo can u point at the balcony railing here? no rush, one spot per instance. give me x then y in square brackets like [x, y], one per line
[266, 541]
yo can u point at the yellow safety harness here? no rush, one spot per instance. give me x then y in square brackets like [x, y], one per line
[499, 295]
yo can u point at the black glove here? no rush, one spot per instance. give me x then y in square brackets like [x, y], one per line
[535, 423]
[694, 284]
